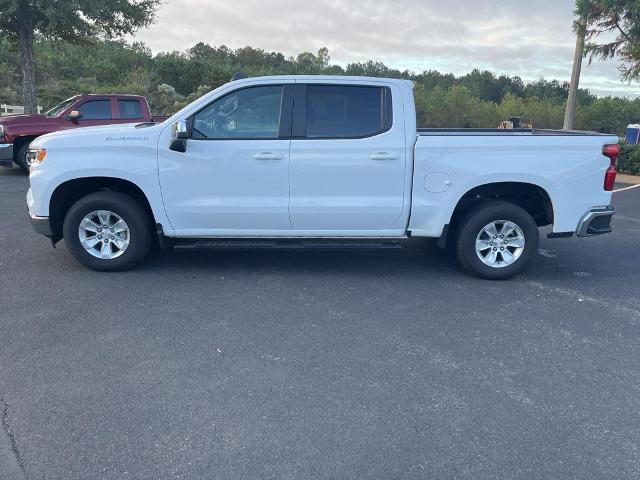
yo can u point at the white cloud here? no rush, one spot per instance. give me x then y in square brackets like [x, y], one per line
[527, 38]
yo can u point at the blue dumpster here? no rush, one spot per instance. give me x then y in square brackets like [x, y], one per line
[633, 134]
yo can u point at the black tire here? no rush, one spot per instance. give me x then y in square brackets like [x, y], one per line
[474, 222]
[135, 216]
[21, 158]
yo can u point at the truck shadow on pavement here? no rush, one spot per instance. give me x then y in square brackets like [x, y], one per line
[417, 258]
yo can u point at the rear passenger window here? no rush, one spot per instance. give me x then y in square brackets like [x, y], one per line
[336, 111]
[96, 110]
[130, 109]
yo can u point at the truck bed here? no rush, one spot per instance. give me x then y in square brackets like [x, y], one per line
[568, 166]
[501, 131]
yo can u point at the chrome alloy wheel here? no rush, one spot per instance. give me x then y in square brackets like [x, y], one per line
[104, 234]
[500, 244]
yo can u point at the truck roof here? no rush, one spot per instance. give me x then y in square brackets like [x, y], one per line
[325, 78]
[86, 95]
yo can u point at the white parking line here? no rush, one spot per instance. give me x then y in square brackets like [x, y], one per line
[630, 313]
[626, 188]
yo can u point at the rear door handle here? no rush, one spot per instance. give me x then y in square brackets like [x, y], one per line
[268, 156]
[384, 156]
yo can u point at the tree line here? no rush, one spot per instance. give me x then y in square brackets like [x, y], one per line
[170, 80]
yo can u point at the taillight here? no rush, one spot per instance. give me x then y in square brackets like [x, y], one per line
[612, 152]
[610, 178]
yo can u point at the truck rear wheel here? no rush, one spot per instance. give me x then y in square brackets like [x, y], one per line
[107, 231]
[496, 240]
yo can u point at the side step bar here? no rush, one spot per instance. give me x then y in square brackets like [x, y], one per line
[284, 244]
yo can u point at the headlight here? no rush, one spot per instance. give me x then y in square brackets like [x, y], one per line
[1, 133]
[36, 156]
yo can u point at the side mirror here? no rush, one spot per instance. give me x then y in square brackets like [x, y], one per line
[179, 136]
[74, 115]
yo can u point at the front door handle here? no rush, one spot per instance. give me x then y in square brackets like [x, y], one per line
[384, 156]
[268, 156]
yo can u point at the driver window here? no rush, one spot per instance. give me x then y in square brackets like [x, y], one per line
[244, 114]
[96, 110]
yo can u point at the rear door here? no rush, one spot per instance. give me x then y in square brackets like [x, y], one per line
[348, 160]
[130, 110]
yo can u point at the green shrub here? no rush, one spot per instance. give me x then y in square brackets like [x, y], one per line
[629, 160]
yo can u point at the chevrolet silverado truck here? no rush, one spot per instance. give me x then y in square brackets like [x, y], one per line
[17, 131]
[316, 160]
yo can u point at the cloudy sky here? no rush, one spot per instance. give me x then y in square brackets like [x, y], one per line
[531, 38]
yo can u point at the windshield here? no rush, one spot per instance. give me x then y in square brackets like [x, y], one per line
[58, 109]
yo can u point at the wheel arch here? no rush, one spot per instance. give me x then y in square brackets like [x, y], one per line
[532, 197]
[70, 191]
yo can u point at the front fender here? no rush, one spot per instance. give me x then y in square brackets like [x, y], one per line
[138, 166]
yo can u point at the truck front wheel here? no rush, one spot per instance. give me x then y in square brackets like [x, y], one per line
[496, 240]
[107, 231]
[21, 157]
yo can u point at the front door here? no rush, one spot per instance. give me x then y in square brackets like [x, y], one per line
[233, 178]
[95, 112]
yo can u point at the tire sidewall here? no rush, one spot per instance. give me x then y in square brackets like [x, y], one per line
[129, 210]
[476, 220]
[21, 158]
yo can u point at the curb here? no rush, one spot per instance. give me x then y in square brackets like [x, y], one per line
[631, 179]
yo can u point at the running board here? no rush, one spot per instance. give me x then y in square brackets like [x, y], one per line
[285, 244]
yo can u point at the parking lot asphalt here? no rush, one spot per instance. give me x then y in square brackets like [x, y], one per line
[384, 364]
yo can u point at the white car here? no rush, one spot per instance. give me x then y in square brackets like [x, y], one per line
[311, 160]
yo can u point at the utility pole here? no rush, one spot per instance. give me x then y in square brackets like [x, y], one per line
[575, 75]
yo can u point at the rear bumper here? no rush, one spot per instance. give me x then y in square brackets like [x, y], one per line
[597, 221]
[6, 154]
[41, 225]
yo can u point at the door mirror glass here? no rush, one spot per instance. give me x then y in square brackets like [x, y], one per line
[74, 115]
[179, 130]
[179, 135]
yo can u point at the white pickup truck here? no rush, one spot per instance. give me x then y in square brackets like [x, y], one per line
[311, 160]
